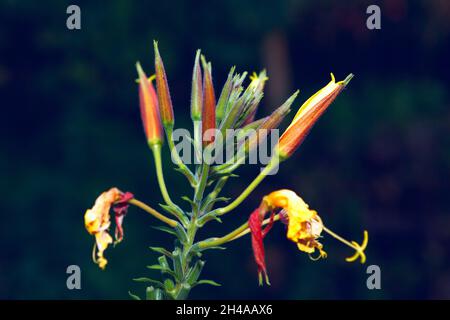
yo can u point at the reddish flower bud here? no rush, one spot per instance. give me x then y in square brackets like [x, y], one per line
[165, 102]
[209, 101]
[307, 116]
[149, 109]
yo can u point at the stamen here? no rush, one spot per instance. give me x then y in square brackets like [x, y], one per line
[354, 245]
[314, 258]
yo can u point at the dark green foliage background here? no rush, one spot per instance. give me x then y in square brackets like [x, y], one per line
[378, 160]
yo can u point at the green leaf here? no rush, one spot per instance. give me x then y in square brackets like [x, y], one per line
[210, 282]
[192, 203]
[165, 229]
[209, 216]
[181, 234]
[184, 291]
[176, 211]
[209, 202]
[169, 285]
[153, 294]
[163, 262]
[162, 269]
[214, 248]
[162, 251]
[194, 272]
[148, 280]
[133, 296]
[177, 263]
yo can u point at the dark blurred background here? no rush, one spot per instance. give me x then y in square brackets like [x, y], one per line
[378, 160]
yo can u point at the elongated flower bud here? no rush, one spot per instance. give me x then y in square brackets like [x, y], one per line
[149, 109]
[197, 90]
[271, 122]
[224, 96]
[209, 101]
[307, 116]
[165, 102]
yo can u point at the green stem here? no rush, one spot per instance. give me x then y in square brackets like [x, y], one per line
[274, 161]
[156, 148]
[153, 212]
[175, 156]
[233, 235]
[202, 185]
[198, 141]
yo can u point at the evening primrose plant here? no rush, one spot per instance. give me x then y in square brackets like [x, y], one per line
[213, 120]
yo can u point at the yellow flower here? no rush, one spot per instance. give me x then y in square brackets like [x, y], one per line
[97, 222]
[304, 225]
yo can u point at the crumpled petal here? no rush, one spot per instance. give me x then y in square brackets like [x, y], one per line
[120, 209]
[257, 234]
[304, 225]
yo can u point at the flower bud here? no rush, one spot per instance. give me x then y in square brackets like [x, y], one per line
[149, 109]
[209, 101]
[165, 102]
[197, 90]
[307, 116]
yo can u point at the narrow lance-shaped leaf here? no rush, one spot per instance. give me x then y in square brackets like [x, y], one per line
[210, 282]
[194, 272]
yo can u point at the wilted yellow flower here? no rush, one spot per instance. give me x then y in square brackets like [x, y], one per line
[97, 222]
[304, 225]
